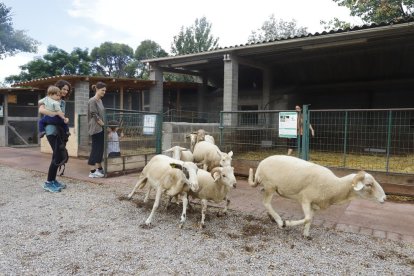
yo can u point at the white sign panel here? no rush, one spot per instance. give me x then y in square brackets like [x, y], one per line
[288, 123]
[149, 124]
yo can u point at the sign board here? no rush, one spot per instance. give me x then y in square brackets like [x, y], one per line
[288, 124]
[149, 124]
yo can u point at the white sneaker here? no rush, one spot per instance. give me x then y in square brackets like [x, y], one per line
[96, 174]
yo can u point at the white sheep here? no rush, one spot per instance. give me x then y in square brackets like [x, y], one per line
[214, 186]
[210, 139]
[169, 176]
[198, 136]
[210, 156]
[313, 186]
[181, 153]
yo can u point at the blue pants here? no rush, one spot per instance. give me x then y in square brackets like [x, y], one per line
[52, 120]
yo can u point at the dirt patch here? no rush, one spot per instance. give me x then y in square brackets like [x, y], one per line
[253, 230]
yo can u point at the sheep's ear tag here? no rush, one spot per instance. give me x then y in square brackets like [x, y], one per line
[359, 186]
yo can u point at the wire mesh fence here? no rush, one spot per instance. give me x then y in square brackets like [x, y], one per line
[139, 137]
[376, 140]
[174, 115]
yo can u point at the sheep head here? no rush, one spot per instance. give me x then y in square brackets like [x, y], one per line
[367, 187]
[189, 169]
[225, 158]
[226, 175]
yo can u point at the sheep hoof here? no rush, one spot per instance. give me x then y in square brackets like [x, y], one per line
[220, 214]
[181, 225]
[129, 197]
[202, 226]
[146, 226]
[307, 237]
[284, 224]
[271, 218]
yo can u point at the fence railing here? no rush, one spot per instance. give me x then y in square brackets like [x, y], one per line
[174, 115]
[377, 140]
[140, 136]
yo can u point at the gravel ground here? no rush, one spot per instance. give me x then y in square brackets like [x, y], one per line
[91, 229]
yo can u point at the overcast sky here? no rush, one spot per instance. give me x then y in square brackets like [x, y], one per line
[88, 23]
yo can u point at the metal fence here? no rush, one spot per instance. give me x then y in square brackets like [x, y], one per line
[376, 140]
[173, 115]
[140, 138]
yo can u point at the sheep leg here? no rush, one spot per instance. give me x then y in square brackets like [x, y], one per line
[147, 194]
[155, 206]
[267, 202]
[140, 183]
[184, 198]
[307, 210]
[203, 212]
[224, 212]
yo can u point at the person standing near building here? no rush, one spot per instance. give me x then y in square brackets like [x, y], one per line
[293, 142]
[55, 142]
[96, 115]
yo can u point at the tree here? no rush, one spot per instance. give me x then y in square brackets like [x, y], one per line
[374, 11]
[13, 41]
[113, 59]
[55, 62]
[276, 29]
[146, 50]
[335, 24]
[194, 39]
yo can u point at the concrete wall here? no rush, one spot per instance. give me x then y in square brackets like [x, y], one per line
[173, 134]
[2, 136]
[71, 146]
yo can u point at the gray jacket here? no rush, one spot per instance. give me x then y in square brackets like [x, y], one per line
[96, 111]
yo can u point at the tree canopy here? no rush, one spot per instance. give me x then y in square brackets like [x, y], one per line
[194, 39]
[146, 50]
[113, 59]
[275, 29]
[375, 11]
[55, 62]
[13, 41]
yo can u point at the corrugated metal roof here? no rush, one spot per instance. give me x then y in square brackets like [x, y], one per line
[351, 29]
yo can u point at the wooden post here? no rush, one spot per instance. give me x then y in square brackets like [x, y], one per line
[121, 99]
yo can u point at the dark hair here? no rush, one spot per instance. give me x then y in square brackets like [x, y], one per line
[113, 125]
[61, 84]
[98, 85]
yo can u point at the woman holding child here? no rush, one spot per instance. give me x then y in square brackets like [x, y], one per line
[51, 131]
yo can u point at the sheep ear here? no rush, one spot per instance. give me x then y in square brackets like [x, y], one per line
[216, 176]
[176, 166]
[359, 186]
[168, 150]
[230, 153]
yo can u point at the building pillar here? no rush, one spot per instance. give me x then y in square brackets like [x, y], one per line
[230, 87]
[81, 90]
[201, 95]
[266, 90]
[156, 92]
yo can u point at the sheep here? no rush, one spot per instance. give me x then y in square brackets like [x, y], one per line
[181, 153]
[214, 186]
[209, 138]
[198, 136]
[169, 176]
[313, 186]
[195, 137]
[210, 156]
